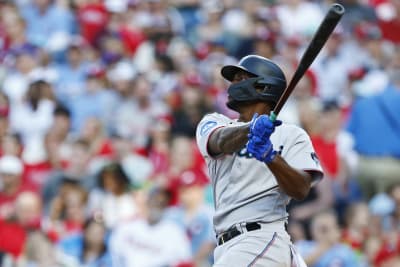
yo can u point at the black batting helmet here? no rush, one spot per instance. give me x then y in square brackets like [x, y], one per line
[265, 74]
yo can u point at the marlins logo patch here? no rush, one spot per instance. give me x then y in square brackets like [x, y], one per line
[206, 127]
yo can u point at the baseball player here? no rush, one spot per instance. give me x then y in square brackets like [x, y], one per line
[256, 167]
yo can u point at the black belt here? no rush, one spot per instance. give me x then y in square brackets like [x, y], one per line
[234, 232]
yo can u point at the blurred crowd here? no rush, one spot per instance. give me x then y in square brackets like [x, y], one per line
[99, 102]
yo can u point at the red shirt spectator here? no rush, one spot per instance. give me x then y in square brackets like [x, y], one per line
[11, 169]
[93, 18]
[12, 238]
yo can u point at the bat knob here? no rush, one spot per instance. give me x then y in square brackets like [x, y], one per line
[337, 8]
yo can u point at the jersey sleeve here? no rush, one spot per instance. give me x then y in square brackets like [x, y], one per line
[205, 128]
[300, 153]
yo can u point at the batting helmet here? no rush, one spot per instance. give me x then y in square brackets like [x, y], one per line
[267, 77]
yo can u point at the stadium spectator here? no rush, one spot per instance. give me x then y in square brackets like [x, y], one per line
[77, 169]
[378, 146]
[14, 230]
[136, 164]
[48, 24]
[195, 216]
[71, 74]
[326, 249]
[90, 247]
[40, 251]
[67, 210]
[146, 241]
[112, 198]
[11, 171]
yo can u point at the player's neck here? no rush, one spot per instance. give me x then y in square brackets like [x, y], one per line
[246, 113]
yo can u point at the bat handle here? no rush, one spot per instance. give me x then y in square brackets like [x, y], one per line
[272, 116]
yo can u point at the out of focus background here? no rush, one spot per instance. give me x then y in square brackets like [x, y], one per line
[99, 101]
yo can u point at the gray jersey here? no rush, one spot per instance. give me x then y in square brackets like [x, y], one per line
[245, 190]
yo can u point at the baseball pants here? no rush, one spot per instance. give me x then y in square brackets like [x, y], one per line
[269, 246]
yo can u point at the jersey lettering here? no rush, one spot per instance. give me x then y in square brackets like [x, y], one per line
[243, 153]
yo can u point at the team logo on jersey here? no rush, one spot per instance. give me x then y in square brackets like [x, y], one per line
[206, 127]
[315, 158]
[244, 154]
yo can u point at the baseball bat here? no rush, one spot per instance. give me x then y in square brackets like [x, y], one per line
[320, 37]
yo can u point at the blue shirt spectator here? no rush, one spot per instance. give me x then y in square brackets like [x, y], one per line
[44, 20]
[338, 255]
[90, 247]
[71, 75]
[375, 124]
[98, 104]
[199, 227]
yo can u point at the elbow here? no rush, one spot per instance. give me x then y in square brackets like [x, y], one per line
[300, 194]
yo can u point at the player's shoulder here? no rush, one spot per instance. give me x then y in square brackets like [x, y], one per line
[217, 117]
[210, 121]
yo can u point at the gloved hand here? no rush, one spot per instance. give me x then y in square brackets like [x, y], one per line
[261, 149]
[262, 126]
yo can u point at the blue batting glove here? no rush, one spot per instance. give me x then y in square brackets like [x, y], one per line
[261, 149]
[262, 126]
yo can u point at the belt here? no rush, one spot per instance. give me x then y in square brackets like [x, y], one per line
[235, 231]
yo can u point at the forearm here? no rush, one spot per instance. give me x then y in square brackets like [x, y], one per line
[293, 182]
[229, 139]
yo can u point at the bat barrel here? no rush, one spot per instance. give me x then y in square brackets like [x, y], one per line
[322, 34]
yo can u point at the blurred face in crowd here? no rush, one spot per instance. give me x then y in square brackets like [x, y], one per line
[3, 125]
[160, 132]
[75, 200]
[156, 203]
[142, 90]
[191, 196]
[14, 25]
[28, 208]
[325, 229]
[181, 146]
[112, 183]
[360, 217]
[61, 124]
[309, 113]
[331, 120]
[303, 88]
[10, 182]
[39, 250]
[94, 84]
[42, 3]
[192, 98]
[333, 44]
[121, 146]
[80, 156]
[94, 234]
[25, 63]
[74, 56]
[91, 129]
[396, 193]
[11, 145]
